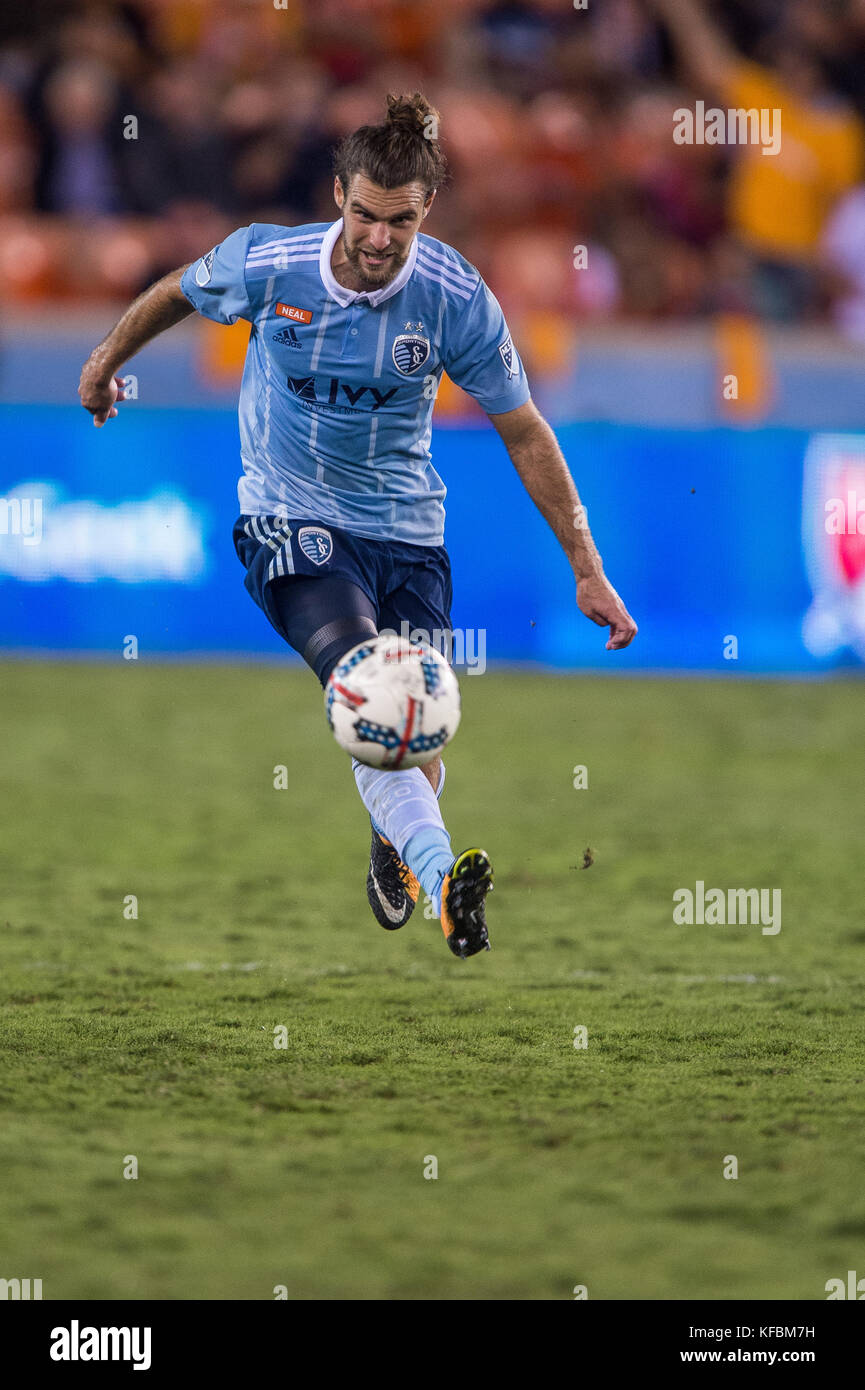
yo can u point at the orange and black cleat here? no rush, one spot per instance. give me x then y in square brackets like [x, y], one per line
[391, 887]
[463, 894]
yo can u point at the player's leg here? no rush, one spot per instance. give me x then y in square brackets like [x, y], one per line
[318, 596]
[403, 805]
[405, 808]
[418, 599]
[316, 585]
[392, 889]
[323, 619]
[311, 583]
[410, 845]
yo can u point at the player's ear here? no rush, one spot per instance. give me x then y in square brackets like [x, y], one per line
[338, 192]
[428, 204]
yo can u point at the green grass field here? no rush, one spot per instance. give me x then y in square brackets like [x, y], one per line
[304, 1166]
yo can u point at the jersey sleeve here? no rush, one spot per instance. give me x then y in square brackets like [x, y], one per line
[216, 285]
[481, 358]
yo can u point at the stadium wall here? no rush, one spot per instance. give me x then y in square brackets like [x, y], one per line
[717, 537]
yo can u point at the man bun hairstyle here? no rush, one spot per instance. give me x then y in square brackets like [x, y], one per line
[403, 149]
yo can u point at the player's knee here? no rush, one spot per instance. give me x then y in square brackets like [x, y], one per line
[325, 649]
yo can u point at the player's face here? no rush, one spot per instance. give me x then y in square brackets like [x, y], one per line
[379, 226]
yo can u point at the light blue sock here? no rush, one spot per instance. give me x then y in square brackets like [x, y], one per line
[429, 856]
[404, 808]
[441, 787]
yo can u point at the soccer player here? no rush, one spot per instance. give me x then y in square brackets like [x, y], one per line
[342, 525]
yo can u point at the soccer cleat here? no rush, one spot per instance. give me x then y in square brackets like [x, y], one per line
[463, 893]
[391, 887]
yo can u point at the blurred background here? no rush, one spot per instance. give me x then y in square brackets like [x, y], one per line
[692, 316]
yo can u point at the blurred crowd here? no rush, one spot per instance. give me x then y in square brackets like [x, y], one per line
[135, 133]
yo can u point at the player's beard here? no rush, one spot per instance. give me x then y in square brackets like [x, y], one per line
[374, 276]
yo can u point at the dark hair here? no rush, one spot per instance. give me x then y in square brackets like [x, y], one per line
[404, 149]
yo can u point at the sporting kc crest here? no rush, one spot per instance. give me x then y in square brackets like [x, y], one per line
[410, 349]
[316, 544]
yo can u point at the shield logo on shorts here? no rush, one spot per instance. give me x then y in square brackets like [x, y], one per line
[316, 544]
[410, 351]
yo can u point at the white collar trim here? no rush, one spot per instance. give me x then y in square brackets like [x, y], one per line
[343, 296]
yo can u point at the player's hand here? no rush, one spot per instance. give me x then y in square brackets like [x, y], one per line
[599, 601]
[100, 397]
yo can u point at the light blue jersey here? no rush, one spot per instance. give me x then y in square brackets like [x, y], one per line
[338, 388]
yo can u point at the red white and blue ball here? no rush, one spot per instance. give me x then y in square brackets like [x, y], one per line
[392, 703]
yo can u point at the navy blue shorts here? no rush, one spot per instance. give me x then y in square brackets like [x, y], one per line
[405, 583]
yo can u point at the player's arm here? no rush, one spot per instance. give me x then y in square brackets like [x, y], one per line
[158, 308]
[536, 455]
[705, 53]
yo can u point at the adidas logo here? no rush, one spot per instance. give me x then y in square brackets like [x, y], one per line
[288, 337]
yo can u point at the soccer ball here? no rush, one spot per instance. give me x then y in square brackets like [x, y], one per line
[392, 703]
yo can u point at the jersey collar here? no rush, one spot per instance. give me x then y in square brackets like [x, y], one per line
[343, 296]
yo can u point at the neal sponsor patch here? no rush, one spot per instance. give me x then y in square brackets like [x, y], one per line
[291, 311]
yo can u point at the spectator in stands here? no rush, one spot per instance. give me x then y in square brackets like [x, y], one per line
[558, 124]
[843, 250]
[78, 173]
[17, 150]
[777, 203]
[189, 151]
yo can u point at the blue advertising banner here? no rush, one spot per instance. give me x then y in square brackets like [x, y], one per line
[736, 550]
